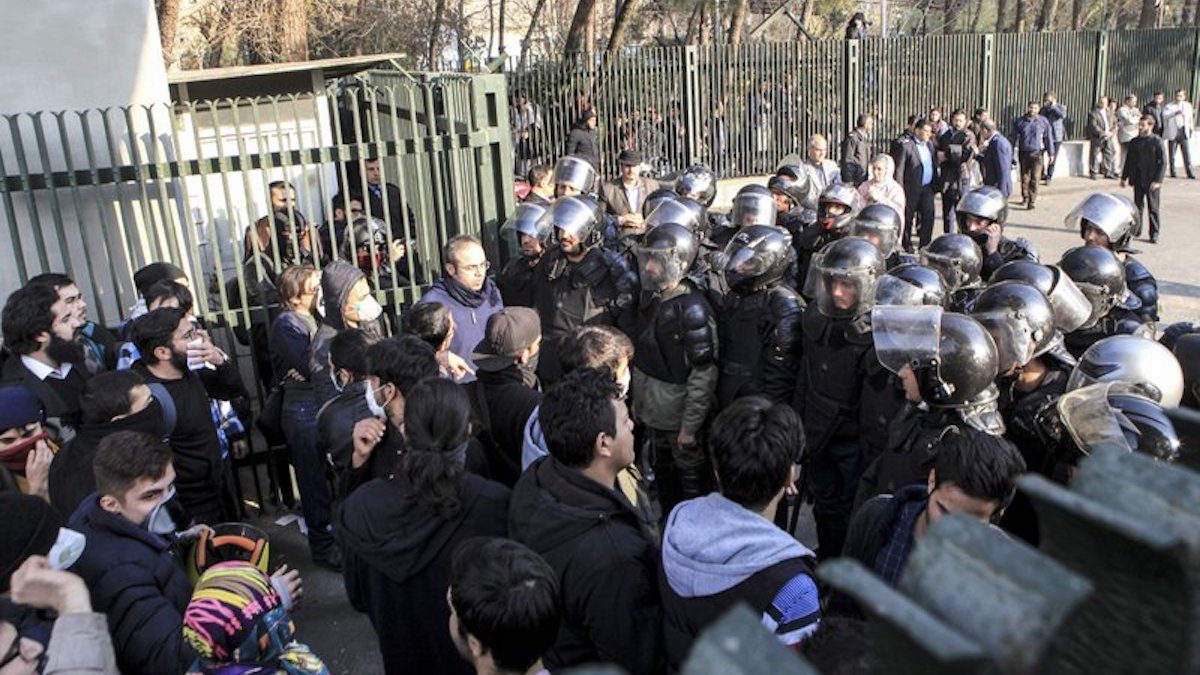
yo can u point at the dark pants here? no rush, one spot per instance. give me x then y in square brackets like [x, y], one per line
[836, 470]
[1187, 157]
[1147, 199]
[918, 214]
[680, 473]
[1048, 170]
[1031, 171]
[1103, 157]
[950, 197]
[316, 499]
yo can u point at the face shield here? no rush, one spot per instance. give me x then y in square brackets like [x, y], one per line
[844, 293]
[1072, 309]
[660, 269]
[950, 269]
[752, 209]
[678, 212]
[906, 336]
[896, 291]
[1090, 420]
[982, 413]
[884, 237]
[1113, 215]
[575, 172]
[528, 219]
[1015, 344]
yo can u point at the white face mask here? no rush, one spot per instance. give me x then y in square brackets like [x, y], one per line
[67, 549]
[368, 310]
[377, 409]
[623, 383]
[160, 521]
[337, 383]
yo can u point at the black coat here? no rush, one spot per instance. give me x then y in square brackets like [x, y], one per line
[59, 398]
[856, 157]
[336, 420]
[582, 142]
[909, 170]
[1145, 161]
[138, 580]
[396, 566]
[606, 562]
[503, 403]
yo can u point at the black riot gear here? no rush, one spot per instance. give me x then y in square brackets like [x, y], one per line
[911, 284]
[1149, 367]
[798, 190]
[578, 216]
[752, 205]
[1019, 318]
[844, 267]
[986, 203]
[1071, 307]
[656, 199]
[957, 257]
[1114, 415]
[527, 220]
[1101, 277]
[686, 212]
[698, 182]
[835, 207]
[665, 255]
[1143, 286]
[879, 224]
[758, 256]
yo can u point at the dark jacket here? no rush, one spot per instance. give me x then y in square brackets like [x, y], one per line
[503, 401]
[336, 420]
[1097, 118]
[874, 522]
[1033, 134]
[997, 164]
[138, 580]
[856, 157]
[910, 172]
[396, 566]
[471, 312]
[515, 282]
[1145, 161]
[395, 212]
[337, 279]
[582, 142]
[951, 169]
[606, 562]
[71, 476]
[59, 398]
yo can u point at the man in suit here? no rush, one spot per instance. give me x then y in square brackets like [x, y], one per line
[1145, 167]
[624, 196]
[1100, 132]
[1178, 122]
[997, 158]
[917, 171]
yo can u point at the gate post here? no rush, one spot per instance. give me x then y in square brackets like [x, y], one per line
[851, 87]
[986, 76]
[1101, 66]
[690, 61]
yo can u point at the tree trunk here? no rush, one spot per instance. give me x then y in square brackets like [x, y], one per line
[293, 22]
[1149, 15]
[579, 24]
[736, 18]
[435, 47]
[533, 18]
[952, 12]
[168, 26]
[1049, 11]
[1001, 10]
[1195, 16]
[1022, 5]
[503, 6]
[1076, 14]
[621, 23]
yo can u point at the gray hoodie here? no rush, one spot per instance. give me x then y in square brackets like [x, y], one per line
[712, 544]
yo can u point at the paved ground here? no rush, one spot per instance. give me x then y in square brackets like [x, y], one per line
[345, 639]
[1175, 260]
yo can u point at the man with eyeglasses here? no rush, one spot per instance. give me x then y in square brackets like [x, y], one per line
[346, 210]
[470, 295]
[179, 355]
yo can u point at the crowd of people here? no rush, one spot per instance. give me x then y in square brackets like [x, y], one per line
[592, 454]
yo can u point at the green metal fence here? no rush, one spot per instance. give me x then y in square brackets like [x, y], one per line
[99, 193]
[742, 111]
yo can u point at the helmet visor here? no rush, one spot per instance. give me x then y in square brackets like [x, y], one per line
[906, 336]
[845, 294]
[1098, 300]
[896, 291]
[1072, 308]
[983, 413]
[1015, 346]
[883, 237]
[1107, 213]
[948, 267]
[659, 268]
[743, 265]
[673, 212]
[528, 219]
[575, 172]
[1088, 417]
[752, 210]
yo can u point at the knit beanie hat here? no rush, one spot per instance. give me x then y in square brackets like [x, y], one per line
[18, 406]
[28, 526]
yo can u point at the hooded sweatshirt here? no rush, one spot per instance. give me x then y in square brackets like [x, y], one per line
[396, 565]
[717, 553]
[337, 279]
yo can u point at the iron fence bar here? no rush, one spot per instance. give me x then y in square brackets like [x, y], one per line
[10, 214]
[68, 160]
[14, 126]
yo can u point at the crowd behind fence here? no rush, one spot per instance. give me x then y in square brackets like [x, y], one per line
[740, 111]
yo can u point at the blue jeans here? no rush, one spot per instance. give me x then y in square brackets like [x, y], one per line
[836, 470]
[300, 431]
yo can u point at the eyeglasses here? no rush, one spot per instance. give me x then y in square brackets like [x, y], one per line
[481, 267]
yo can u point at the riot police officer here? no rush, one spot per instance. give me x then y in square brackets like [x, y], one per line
[982, 213]
[946, 364]
[579, 282]
[844, 396]
[758, 319]
[1149, 367]
[1112, 415]
[1101, 277]
[1107, 221]
[959, 260]
[573, 176]
[835, 211]
[674, 363]
[881, 224]
[530, 228]
[699, 184]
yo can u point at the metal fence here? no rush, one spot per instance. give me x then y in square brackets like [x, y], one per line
[740, 112]
[99, 193]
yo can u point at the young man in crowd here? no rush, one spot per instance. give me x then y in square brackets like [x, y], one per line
[180, 356]
[724, 548]
[99, 345]
[974, 475]
[348, 374]
[504, 606]
[506, 393]
[467, 291]
[26, 449]
[568, 509]
[44, 334]
[541, 185]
